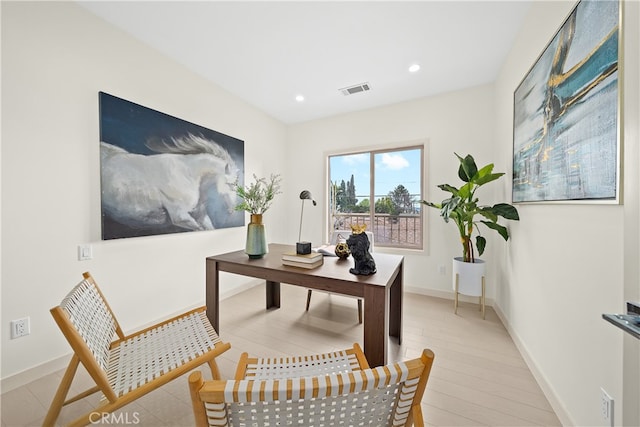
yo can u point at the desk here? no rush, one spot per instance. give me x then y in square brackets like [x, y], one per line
[382, 292]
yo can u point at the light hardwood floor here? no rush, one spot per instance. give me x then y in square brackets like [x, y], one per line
[478, 377]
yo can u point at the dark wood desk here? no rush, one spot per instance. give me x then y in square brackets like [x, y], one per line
[382, 292]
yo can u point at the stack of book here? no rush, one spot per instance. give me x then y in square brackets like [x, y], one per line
[311, 260]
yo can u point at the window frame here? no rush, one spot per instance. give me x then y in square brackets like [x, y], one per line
[421, 145]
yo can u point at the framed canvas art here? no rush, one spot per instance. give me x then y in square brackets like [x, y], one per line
[566, 130]
[161, 174]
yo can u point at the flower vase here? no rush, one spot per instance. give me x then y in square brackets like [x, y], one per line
[256, 245]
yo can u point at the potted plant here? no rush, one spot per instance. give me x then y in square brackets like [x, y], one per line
[466, 212]
[256, 198]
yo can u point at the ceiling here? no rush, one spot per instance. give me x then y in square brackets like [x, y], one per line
[267, 52]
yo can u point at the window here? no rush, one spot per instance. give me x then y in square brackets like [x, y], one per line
[381, 189]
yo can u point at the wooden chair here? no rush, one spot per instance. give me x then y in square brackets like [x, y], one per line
[130, 366]
[383, 396]
[335, 236]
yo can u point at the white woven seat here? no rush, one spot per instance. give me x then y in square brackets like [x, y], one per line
[384, 396]
[131, 366]
[349, 360]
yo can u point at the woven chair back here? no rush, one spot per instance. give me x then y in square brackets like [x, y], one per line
[91, 317]
[381, 396]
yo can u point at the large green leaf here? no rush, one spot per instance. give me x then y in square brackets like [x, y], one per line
[500, 229]
[506, 211]
[467, 169]
[485, 170]
[449, 206]
[465, 191]
[481, 242]
[489, 214]
[450, 188]
[433, 205]
[483, 179]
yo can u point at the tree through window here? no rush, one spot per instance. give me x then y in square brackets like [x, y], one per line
[381, 189]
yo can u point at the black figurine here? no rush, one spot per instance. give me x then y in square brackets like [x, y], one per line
[358, 244]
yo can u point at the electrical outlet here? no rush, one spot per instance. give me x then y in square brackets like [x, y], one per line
[606, 407]
[442, 270]
[20, 328]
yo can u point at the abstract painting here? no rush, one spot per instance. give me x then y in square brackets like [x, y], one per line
[566, 131]
[161, 174]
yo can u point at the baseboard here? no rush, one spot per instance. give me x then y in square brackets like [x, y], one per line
[546, 387]
[28, 375]
[241, 288]
[32, 374]
[445, 295]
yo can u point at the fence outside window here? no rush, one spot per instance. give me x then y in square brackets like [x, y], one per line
[403, 230]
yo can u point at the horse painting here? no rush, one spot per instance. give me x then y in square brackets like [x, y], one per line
[181, 186]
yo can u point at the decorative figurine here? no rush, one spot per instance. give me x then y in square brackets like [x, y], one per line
[342, 249]
[358, 244]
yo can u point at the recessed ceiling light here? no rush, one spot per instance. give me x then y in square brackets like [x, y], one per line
[299, 98]
[414, 68]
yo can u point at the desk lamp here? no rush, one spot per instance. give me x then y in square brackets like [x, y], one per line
[303, 248]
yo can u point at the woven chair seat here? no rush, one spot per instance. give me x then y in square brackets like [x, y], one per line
[147, 356]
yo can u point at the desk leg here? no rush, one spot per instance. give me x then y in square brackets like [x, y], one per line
[212, 294]
[273, 294]
[395, 307]
[376, 325]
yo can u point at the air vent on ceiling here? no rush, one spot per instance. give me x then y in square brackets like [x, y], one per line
[362, 87]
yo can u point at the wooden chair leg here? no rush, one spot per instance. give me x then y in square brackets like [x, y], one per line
[308, 298]
[215, 372]
[61, 393]
[415, 416]
[195, 384]
[359, 310]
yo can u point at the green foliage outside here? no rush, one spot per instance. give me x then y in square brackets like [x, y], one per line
[398, 201]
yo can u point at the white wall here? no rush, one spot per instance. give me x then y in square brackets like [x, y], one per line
[568, 264]
[459, 122]
[55, 58]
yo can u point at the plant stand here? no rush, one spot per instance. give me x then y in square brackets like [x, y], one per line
[469, 279]
[480, 298]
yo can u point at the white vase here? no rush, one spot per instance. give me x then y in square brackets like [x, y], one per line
[468, 279]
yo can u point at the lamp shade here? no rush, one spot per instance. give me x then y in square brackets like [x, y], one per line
[304, 195]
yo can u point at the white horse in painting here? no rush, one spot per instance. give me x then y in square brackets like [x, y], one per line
[167, 188]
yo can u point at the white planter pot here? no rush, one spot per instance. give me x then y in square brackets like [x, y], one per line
[468, 279]
[469, 276]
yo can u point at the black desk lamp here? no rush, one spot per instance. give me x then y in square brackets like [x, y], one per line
[303, 248]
